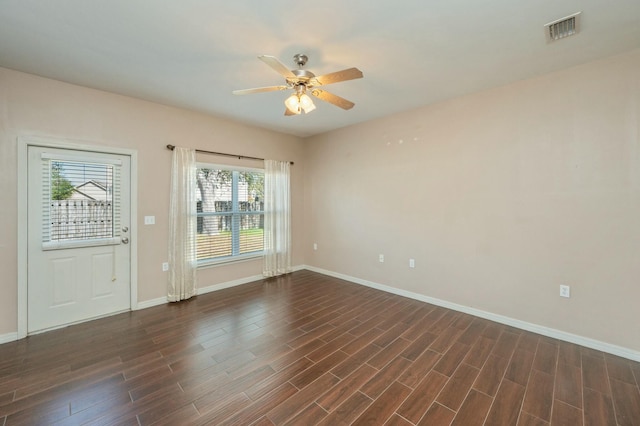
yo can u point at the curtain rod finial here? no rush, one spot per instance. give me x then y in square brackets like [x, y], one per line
[171, 147]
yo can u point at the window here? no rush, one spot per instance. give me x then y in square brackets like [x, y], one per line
[81, 200]
[230, 210]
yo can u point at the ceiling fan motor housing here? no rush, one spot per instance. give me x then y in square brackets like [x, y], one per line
[302, 76]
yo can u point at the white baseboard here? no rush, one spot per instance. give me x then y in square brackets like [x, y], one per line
[523, 325]
[535, 328]
[229, 284]
[150, 303]
[211, 288]
[9, 337]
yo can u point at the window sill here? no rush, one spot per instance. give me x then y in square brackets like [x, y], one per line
[229, 260]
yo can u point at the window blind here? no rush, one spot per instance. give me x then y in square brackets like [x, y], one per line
[81, 201]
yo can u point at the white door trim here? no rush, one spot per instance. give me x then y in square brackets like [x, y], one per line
[24, 142]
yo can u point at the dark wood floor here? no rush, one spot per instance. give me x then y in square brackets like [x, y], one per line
[309, 349]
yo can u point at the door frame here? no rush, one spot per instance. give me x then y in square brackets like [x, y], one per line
[24, 142]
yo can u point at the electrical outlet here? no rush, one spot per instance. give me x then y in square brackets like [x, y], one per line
[165, 266]
[412, 263]
[565, 291]
[381, 258]
[149, 220]
[315, 246]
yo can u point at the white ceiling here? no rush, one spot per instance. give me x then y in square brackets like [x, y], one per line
[193, 53]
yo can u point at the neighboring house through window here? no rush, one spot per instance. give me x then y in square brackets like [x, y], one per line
[230, 210]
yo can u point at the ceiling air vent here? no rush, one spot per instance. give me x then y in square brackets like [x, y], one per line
[562, 28]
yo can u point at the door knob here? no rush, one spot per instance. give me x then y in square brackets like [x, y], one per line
[125, 240]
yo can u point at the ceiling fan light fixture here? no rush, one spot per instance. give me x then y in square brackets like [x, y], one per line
[293, 104]
[306, 103]
[297, 103]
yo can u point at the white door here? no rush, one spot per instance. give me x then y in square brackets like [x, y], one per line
[79, 259]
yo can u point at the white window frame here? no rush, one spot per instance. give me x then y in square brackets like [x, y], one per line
[238, 257]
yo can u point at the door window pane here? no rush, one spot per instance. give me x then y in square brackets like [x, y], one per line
[80, 201]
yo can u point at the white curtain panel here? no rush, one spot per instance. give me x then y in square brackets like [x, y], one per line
[277, 219]
[182, 226]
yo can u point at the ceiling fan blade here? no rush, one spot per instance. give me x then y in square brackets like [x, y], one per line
[277, 66]
[259, 90]
[332, 99]
[336, 77]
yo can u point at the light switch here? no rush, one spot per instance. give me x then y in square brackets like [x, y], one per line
[149, 220]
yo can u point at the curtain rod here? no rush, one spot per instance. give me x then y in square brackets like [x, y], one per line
[239, 157]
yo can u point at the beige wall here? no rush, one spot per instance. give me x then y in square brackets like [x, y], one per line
[31, 105]
[500, 197]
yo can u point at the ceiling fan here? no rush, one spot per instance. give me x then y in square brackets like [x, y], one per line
[303, 82]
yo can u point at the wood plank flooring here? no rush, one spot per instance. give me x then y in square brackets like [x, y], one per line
[308, 349]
